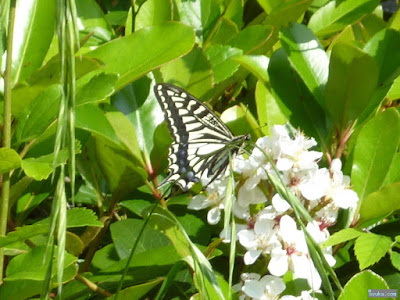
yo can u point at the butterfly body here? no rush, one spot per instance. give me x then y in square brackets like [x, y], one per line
[202, 143]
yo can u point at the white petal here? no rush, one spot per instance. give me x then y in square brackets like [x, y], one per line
[345, 198]
[264, 227]
[284, 164]
[199, 202]
[280, 204]
[336, 165]
[213, 216]
[247, 238]
[288, 229]
[274, 285]
[250, 276]
[304, 268]
[253, 288]
[251, 256]
[278, 265]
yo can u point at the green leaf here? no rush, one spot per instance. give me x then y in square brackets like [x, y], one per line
[353, 77]
[27, 203]
[380, 203]
[98, 88]
[139, 104]
[380, 47]
[39, 114]
[370, 248]
[374, 152]
[126, 133]
[287, 12]
[395, 259]
[9, 160]
[92, 119]
[307, 57]
[153, 46]
[256, 64]
[200, 15]
[40, 168]
[240, 120]
[296, 103]
[191, 72]
[394, 92]
[268, 111]
[342, 236]
[36, 24]
[335, 15]
[225, 30]
[153, 12]
[125, 232]
[205, 278]
[220, 58]
[91, 20]
[257, 39]
[76, 217]
[357, 287]
[139, 291]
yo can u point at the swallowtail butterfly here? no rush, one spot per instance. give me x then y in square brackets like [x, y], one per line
[202, 143]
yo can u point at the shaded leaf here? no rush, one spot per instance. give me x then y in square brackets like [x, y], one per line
[9, 160]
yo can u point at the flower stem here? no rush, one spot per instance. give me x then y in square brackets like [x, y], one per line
[8, 83]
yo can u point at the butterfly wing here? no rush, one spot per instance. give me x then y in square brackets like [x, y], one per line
[200, 147]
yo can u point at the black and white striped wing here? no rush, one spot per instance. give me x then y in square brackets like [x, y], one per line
[201, 141]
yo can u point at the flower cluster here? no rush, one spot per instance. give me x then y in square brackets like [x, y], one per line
[266, 227]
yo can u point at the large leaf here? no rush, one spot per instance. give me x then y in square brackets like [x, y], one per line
[307, 57]
[374, 152]
[9, 160]
[153, 12]
[191, 72]
[353, 76]
[148, 48]
[125, 233]
[296, 103]
[32, 36]
[380, 47]
[380, 203]
[370, 248]
[342, 236]
[336, 15]
[357, 287]
[39, 114]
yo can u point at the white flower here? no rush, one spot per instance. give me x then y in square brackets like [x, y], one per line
[280, 204]
[317, 185]
[320, 235]
[215, 199]
[267, 288]
[261, 239]
[294, 256]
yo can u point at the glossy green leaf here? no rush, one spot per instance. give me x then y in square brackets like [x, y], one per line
[374, 152]
[225, 30]
[39, 114]
[256, 64]
[380, 203]
[370, 248]
[40, 168]
[43, 78]
[126, 134]
[296, 103]
[191, 72]
[105, 257]
[92, 21]
[269, 5]
[139, 291]
[201, 15]
[121, 174]
[92, 119]
[9, 160]
[395, 259]
[139, 104]
[153, 12]
[342, 236]
[220, 58]
[148, 48]
[380, 47]
[287, 12]
[98, 88]
[27, 203]
[240, 120]
[167, 223]
[257, 39]
[268, 111]
[125, 233]
[334, 16]
[352, 80]
[357, 287]
[307, 57]
[394, 92]
[36, 24]
[234, 12]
